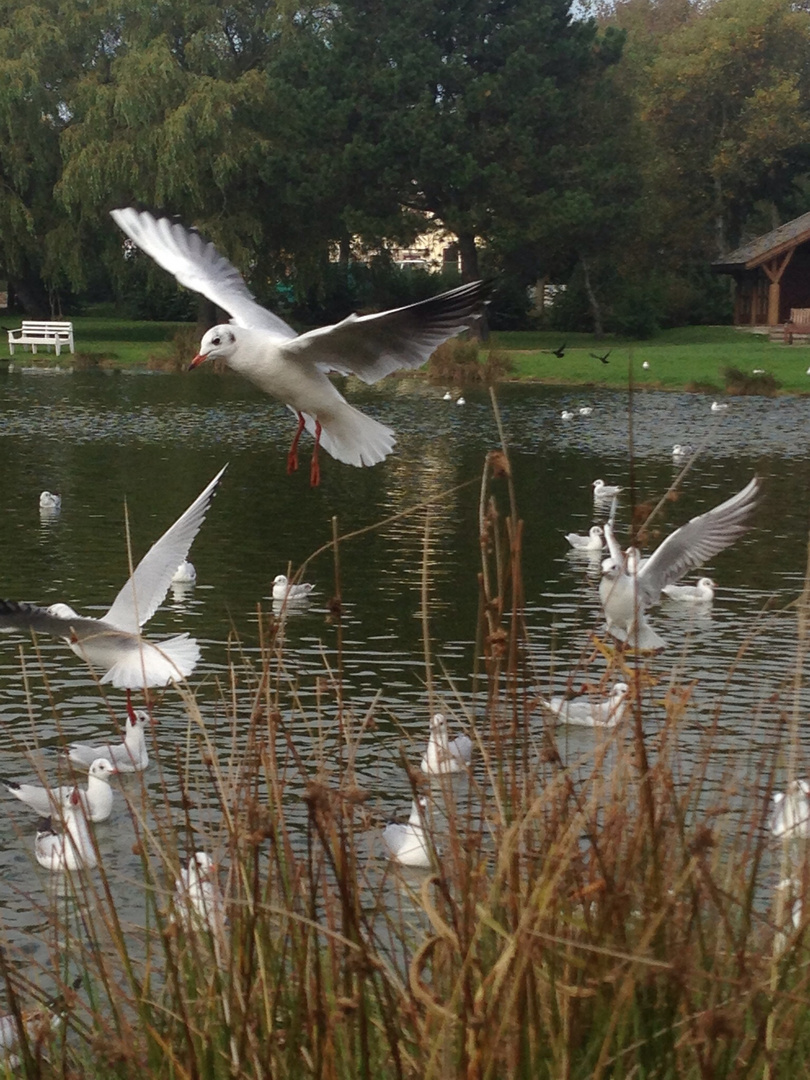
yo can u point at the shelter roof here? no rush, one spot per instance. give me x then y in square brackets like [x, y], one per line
[771, 244]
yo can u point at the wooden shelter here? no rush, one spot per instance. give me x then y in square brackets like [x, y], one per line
[772, 274]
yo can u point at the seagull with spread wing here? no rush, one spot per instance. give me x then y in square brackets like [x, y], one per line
[113, 645]
[293, 367]
[631, 585]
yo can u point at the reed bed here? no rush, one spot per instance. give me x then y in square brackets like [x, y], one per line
[605, 916]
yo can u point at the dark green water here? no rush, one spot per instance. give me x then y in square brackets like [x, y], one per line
[156, 440]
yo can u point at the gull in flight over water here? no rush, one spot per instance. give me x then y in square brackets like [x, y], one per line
[630, 586]
[293, 367]
[113, 645]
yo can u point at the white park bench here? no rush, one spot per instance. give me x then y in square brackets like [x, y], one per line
[35, 332]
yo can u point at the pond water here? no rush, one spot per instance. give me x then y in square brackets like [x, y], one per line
[156, 440]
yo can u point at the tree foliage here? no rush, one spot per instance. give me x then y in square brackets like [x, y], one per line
[617, 153]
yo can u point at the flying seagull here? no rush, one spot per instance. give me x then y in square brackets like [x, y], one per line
[113, 644]
[292, 367]
[629, 587]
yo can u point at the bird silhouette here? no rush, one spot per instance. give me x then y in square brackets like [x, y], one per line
[604, 358]
[559, 353]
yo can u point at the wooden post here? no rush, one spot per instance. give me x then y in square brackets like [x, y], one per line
[774, 290]
[774, 269]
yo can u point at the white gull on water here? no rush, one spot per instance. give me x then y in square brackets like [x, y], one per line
[97, 800]
[442, 754]
[584, 711]
[129, 756]
[293, 367]
[71, 849]
[592, 542]
[408, 843]
[113, 645]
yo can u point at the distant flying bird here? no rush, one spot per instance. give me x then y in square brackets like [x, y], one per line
[293, 367]
[560, 352]
[113, 644]
[604, 358]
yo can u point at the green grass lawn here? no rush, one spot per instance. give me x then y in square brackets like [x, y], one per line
[110, 341]
[691, 356]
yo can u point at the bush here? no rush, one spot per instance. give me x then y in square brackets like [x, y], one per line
[457, 362]
[756, 384]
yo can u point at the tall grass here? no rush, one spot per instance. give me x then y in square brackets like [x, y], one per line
[603, 916]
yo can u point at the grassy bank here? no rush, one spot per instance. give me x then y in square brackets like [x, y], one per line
[588, 918]
[694, 357]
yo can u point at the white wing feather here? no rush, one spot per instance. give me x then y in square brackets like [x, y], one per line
[197, 265]
[140, 598]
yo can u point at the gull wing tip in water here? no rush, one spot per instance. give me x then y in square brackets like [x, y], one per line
[113, 643]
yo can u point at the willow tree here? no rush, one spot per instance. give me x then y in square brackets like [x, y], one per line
[44, 48]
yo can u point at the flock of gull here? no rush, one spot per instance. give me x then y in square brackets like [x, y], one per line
[294, 368]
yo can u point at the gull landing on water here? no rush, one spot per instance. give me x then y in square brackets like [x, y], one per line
[629, 587]
[292, 367]
[113, 644]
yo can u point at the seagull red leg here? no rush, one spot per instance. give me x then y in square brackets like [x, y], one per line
[315, 469]
[292, 457]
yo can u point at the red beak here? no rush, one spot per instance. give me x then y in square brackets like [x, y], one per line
[198, 359]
